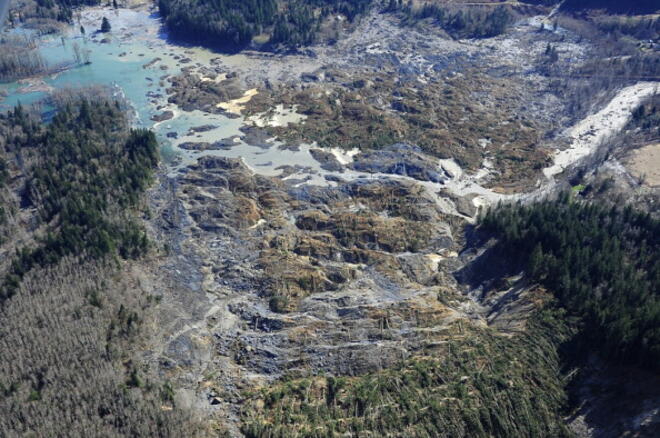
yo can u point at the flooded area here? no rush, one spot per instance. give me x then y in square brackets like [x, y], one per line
[136, 59]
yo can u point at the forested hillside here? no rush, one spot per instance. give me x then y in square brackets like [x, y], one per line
[82, 179]
[469, 23]
[233, 23]
[616, 6]
[286, 23]
[481, 385]
[602, 264]
[71, 315]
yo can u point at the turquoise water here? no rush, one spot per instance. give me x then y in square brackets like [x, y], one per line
[124, 74]
[119, 62]
[122, 61]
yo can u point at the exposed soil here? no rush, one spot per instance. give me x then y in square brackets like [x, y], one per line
[271, 277]
[644, 164]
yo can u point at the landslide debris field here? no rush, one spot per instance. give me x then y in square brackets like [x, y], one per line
[309, 258]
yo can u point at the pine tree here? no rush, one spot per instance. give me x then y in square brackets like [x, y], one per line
[105, 25]
[536, 261]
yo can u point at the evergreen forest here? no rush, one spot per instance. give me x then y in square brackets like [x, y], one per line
[234, 24]
[602, 264]
[71, 189]
[87, 172]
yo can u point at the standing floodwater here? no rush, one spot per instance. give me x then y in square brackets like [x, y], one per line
[135, 60]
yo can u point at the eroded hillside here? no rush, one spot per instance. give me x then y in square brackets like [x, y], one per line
[311, 257]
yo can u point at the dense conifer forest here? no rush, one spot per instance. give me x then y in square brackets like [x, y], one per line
[616, 6]
[85, 174]
[470, 23]
[234, 23]
[602, 263]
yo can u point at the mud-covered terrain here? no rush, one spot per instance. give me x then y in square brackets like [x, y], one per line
[413, 132]
[316, 266]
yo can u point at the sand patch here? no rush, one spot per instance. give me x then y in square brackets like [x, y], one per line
[644, 164]
[219, 78]
[236, 106]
